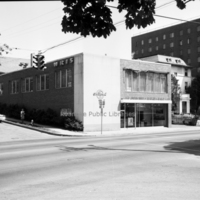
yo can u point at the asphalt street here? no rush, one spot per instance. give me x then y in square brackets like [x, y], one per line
[152, 166]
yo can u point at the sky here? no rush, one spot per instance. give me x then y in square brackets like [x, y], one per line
[29, 26]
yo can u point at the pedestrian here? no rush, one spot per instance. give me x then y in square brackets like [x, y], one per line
[22, 115]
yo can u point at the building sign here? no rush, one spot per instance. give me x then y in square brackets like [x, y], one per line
[99, 94]
[63, 62]
[147, 98]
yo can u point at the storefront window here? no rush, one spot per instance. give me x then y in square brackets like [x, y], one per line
[157, 87]
[150, 82]
[143, 115]
[135, 81]
[163, 84]
[159, 115]
[128, 80]
[142, 82]
[145, 82]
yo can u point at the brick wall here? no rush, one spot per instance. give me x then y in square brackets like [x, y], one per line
[53, 98]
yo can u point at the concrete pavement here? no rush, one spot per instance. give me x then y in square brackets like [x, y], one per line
[129, 131]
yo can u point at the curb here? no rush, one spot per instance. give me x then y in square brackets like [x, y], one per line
[50, 132]
[43, 130]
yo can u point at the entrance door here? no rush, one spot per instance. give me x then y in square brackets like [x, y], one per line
[184, 107]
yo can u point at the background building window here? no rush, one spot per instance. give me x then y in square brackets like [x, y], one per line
[188, 41]
[164, 46]
[188, 30]
[15, 87]
[63, 78]
[156, 39]
[150, 40]
[189, 61]
[181, 42]
[42, 82]
[186, 72]
[171, 35]
[181, 32]
[171, 44]
[142, 42]
[27, 84]
[186, 86]
[164, 37]
[157, 48]
[189, 51]
[198, 59]
[150, 49]
[198, 28]
[142, 51]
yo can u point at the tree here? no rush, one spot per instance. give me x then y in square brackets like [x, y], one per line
[95, 17]
[194, 91]
[175, 92]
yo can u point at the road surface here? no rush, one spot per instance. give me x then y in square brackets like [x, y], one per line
[138, 167]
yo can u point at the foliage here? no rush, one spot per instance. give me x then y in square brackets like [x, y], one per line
[71, 123]
[175, 92]
[41, 116]
[95, 17]
[194, 91]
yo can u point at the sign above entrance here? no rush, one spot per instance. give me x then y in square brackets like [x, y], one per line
[63, 62]
[99, 94]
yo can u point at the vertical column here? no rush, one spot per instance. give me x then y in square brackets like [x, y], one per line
[180, 107]
[169, 116]
[188, 106]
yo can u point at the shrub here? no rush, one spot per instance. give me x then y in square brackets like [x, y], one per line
[71, 123]
[40, 116]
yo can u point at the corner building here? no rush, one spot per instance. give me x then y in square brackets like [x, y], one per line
[136, 93]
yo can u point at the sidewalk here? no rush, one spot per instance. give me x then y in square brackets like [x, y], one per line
[126, 131]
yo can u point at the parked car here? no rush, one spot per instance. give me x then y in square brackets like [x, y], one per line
[2, 117]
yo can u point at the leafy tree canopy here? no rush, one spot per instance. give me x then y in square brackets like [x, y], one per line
[95, 17]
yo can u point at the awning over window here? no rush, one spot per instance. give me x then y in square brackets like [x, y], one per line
[143, 70]
[145, 101]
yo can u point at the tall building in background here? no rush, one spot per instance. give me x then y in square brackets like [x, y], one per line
[182, 41]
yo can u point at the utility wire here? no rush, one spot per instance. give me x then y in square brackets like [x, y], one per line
[14, 35]
[165, 4]
[19, 33]
[29, 20]
[75, 39]
[183, 20]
